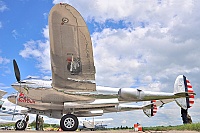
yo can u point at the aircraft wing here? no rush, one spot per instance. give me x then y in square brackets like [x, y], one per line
[71, 51]
[4, 111]
[2, 93]
[2, 121]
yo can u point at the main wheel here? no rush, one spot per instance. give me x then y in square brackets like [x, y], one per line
[69, 122]
[20, 125]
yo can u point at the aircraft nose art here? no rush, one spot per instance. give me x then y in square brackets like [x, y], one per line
[70, 50]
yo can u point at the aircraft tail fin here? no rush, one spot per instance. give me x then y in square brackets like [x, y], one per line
[183, 86]
[151, 109]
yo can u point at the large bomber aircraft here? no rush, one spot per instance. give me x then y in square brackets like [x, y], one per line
[72, 91]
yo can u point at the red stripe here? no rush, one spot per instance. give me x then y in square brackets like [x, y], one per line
[154, 101]
[191, 102]
[189, 86]
[191, 96]
[187, 81]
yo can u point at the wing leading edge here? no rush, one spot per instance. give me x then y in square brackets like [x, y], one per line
[70, 50]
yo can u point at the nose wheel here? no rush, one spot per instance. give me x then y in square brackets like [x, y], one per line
[20, 125]
[69, 122]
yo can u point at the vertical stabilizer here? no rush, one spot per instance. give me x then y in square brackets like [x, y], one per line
[182, 84]
[70, 50]
[151, 109]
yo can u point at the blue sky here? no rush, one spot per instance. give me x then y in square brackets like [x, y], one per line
[21, 21]
[144, 44]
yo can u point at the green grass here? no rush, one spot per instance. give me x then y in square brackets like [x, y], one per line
[189, 127]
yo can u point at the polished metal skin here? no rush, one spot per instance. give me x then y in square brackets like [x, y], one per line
[70, 50]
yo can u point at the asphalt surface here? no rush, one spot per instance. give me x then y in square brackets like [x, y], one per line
[107, 131]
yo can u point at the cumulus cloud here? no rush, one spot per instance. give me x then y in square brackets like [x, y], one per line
[129, 52]
[159, 39]
[38, 50]
[152, 12]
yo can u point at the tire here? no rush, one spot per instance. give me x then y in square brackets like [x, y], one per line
[20, 125]
[69, 122]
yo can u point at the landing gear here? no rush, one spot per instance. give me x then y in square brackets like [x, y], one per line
[185, 116]
[184, 113]
[20, 125]
[37, 122]
[69, 122]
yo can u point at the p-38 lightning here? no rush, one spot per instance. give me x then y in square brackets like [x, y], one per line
[72, 92]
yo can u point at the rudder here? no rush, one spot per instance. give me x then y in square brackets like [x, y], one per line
[151, 109]
[182, 84]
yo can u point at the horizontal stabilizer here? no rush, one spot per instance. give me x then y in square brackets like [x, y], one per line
[184, 94]
[2, 93]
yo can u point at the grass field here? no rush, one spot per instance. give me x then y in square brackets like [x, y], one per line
[189, 127]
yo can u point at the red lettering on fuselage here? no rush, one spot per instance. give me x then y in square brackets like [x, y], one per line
[24, 99]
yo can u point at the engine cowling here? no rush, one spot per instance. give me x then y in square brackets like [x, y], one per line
[131, 94]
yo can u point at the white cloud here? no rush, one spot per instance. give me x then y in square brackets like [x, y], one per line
[4, 60]
[45, 15]
[15, 34]
[164, 116]
[133, 54]
[3, 86]
[4, 69]
[160, 40]
[3, 6]
[46, 32]
[38, 50]
[155, 12]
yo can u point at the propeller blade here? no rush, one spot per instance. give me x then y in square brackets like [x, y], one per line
[16, 69]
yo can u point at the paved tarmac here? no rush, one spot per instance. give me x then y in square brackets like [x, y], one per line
[107, 131]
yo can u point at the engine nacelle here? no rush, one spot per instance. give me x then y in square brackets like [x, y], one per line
[130, 94]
